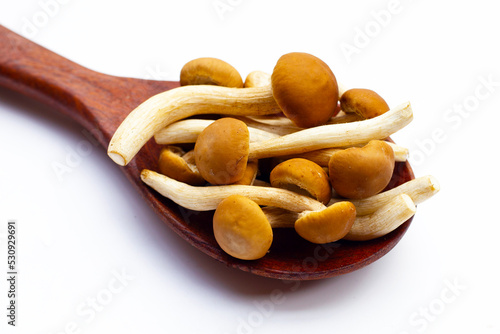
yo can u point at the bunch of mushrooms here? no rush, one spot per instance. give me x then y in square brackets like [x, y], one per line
[327, 147]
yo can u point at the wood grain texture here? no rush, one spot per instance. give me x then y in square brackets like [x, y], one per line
[100, 102]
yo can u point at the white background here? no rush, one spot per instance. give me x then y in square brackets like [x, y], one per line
[78, 230]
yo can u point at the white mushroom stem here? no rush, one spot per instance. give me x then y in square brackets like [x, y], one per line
[279, 125]
[280, 218]
[187, 131]
[419, 190]
[207, 198]
[178, 103]
[335, 135]
[345, 118]
[282, 125]
[384, 220]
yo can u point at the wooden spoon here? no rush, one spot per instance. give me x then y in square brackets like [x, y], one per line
[100, 102]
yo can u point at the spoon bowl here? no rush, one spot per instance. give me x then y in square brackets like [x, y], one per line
[100, 102]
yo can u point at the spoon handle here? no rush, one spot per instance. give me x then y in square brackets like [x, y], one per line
[96, 101]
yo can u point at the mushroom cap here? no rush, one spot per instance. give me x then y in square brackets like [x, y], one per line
[221, 151]
[360, 172]
[305, 88]
[302, 176]
[364, 102]
[241, 228]
[210, 71]
[328, 225]
[172, 163]
[250, 173]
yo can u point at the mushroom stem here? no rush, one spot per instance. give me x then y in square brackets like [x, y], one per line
[187, 131]
[279, 125]
[207, 198]
[419, 190]
[280, 218]
[335, 135]
[386, 219]
[283, 126]
[178, 103]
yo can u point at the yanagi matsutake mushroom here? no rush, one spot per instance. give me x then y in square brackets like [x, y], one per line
[215, 157]
[303, 85]
[336, 218]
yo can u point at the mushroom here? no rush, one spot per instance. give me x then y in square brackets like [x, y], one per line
[222, 158]
[241, 228]
[302, 84]
[360, 172]
[384, 220]
[177, 164]
[309, 210]
[210, 71]
[221, 151]
[304, 177]
[165, 108]
[257, 79]
[419, 190]
[364, 102]
[305, 88]
[334, 135]
[326, 226]
[207, 198]
[314, 230]
[187, 131]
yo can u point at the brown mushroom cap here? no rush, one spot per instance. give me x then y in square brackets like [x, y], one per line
[304, 177]
[221, 151]
[173, 163]
[328, 225]
[364, 102]
[360, 172]
[305, 88]
[250, 173]
[241, 228]
[210, 71]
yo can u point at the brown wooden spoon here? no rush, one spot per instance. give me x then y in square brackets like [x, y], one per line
[100, 102]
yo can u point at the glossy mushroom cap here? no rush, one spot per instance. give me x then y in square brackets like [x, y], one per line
[304, 177]
[172, 163]
[364, 102]
[250, 173]
[305, 88]
[328, 225]
[360, 172]
[210, 71]
[241, 228]
[221, 151]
